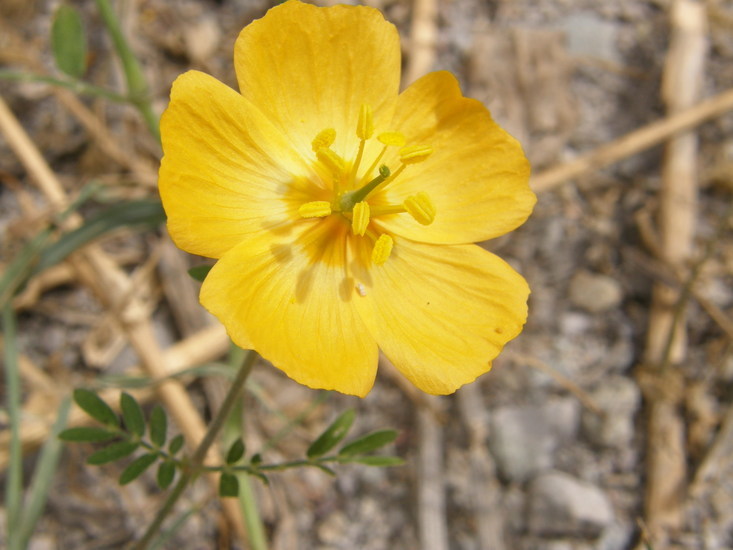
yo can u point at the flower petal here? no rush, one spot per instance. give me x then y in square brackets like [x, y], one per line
[311, 68]
[477, 175]
[288, 298]
[443, 313]
[225, 172]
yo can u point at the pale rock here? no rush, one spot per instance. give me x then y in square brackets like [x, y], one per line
[619, 399]
[594, 292]
[523, 439]
[561, 505]
[202, 39]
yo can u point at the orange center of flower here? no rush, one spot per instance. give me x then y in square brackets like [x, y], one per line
[352, 193]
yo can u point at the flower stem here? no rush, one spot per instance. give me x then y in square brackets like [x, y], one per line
[195, 465]
[137, 88]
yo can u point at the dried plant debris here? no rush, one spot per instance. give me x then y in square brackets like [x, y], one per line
[564, 445]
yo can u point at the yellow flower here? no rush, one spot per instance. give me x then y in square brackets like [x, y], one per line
[342, 212]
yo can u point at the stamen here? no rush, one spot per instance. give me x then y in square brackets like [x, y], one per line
[364, 130]
[415, 153]
[315, 209]
[386, 209]
[382, 249]
[360, 218]
[324, 139]
[421, 208]
[365, 126]
[392, 139]
[334, 162]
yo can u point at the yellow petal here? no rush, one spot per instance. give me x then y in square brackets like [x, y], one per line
[310, 68]
[225, 170]
[443, 313]
[477, 175]
[288, 298]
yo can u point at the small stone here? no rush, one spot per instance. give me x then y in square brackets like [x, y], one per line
[594, 292]
[590, 36]
[523, 439]
[619, 398]
[202, 39]
[561, 505]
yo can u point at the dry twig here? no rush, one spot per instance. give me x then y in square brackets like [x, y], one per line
[634, 142]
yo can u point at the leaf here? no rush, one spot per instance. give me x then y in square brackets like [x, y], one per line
[228, 485]
[166, 473]
[158, 426]
[20, 268]
[200, 272]
[333, 434]
[68, 41]
[132, 414]
[256, 459]
[262, 477]
[375, 460]
[113, 452]
[176, 444]
[95, 407]
[137, 467]
[146, 213]
[236, 451]
[325, 469]
[90, 434]
[368, 443]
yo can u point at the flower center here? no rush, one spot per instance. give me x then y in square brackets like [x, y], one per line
[352, 193]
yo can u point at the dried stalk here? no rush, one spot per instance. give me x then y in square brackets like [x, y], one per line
[634, 142]
[666, 341]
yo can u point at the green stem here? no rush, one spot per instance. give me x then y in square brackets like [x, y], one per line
[75, 85]
[248, 503]
[197, 459]
[14, 484]
[137, 88]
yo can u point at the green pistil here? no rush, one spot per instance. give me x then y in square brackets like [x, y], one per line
[348, 200]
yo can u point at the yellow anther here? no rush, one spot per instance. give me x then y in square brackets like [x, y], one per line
[315, 209]
[415, 153]
[394, 139]
[360, 218]
[421, 208]
[382, 249]
[334, 162]
[324, 139]
[365, 126]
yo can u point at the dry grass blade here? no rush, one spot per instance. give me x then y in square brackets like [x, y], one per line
[109, 282]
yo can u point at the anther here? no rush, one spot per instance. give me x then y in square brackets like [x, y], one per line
[393, 139]
[324, 139]
[365, 126]
[360, 218]
[382, 249]
[415, 153]
[421, 208]
[315, 209]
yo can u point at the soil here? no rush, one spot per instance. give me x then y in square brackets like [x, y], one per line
[550, 450]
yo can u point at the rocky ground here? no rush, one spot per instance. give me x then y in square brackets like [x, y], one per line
[554, 449]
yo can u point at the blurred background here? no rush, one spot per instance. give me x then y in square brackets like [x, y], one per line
[606, 425]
